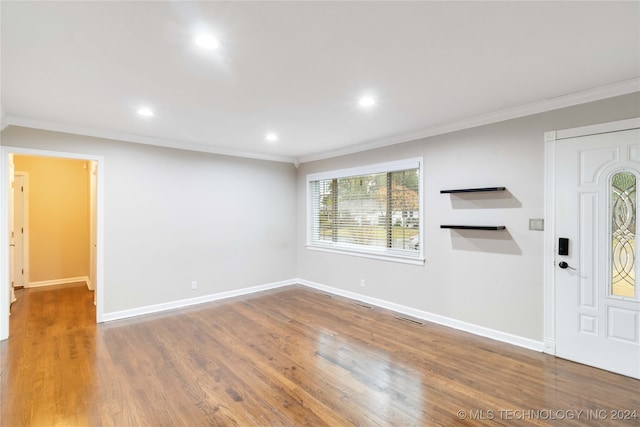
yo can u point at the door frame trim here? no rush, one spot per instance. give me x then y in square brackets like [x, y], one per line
[550, 139]
[5, 280]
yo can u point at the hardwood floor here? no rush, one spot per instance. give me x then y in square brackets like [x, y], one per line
[288, 357]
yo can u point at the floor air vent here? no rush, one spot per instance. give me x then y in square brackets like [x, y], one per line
[361, 304]
[408, 320]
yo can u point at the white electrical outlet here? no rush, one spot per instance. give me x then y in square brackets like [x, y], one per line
[362, 284]
[194, 285]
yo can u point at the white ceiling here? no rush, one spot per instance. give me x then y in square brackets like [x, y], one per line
[298, 69]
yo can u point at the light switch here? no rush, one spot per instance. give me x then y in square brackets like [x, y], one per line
[536, 224]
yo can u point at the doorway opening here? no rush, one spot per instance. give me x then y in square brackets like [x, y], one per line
[59, 224]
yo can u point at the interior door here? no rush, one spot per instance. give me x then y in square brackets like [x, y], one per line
[597, 297]
[93, 245]
[18, 277]
[12, 243]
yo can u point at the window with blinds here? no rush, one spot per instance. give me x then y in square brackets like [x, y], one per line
[373, 211]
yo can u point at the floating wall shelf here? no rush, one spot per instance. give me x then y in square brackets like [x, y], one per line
[475, 227]
[473, 190]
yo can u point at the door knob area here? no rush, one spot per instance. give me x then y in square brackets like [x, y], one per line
[563, 265]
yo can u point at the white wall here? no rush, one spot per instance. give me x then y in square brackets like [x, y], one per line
[487, 278]
[173, 216]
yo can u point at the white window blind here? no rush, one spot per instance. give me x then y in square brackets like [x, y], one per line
[374, 210]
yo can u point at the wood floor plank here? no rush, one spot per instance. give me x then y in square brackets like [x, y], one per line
[287, 357]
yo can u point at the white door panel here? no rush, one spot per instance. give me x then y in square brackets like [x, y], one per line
[18, 230]
[597, 298]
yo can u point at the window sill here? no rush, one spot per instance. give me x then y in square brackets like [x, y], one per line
[381, 257]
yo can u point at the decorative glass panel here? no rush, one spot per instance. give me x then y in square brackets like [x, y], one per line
[623, 220]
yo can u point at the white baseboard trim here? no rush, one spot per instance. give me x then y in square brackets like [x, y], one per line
[420, 314]
[156, 308]
[54, 282]
[550, 346]
[89, 284]
[431, 317]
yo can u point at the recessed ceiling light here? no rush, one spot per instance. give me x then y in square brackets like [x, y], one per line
[271, 137]
[207, 41]
[146, 112]
[367, 101]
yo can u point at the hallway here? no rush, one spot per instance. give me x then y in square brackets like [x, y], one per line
[47, 364]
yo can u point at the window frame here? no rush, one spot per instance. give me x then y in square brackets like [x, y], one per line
[374, 252]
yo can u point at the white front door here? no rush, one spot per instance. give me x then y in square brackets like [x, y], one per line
[597, 296]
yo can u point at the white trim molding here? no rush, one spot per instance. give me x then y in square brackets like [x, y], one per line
[596, 129]
[54, 282]
[364, 254]
[432, 317]
[419, 314]
[550, 139]
[548, 264]
[549, 346]
[603, 92]
[157, 308]
[608, 91]
[139, 139]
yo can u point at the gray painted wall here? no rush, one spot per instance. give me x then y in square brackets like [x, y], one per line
[173, 216]
[490, 279]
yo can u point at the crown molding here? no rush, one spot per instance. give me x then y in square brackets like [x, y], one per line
[568, 100]
[609, 91]
[139, 139]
